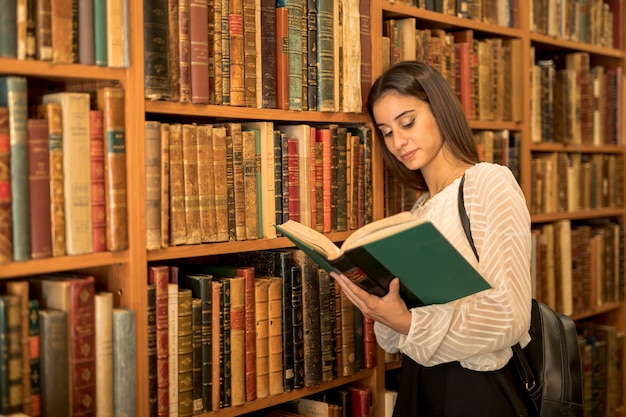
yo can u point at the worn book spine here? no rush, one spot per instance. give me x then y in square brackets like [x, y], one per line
[344, 182]
[6, 223]
[369, 343]
[220, 171]
[225, 41]
[8, 30]
[54, 365]
[294, 180]
[319, 185]
[311, 52]
[104, 352]
[43, 33]
[39, 188]
[190, 175]
[275, 307]
[34, 359]
[165, 185]
[99, 29]
[14, 353]
[250, 10]
[159, 276]
[216, 344]
[76, 170]
[236, 52]
[86, 38]
[216, 43]
[324, 137]
[237, 340]
[115, 33]
[61, 31]
[225, 345]
[278, 177]
[172, 345]
[347, 336]
[282, 58]
[294, 52]
[156, 48]
[196, 356]
[98, 203]
[199, 52]
[235, 132]
[230, 188]
[153, 184]
[152, 349]
[178, 224]
[262, 337]
[206, 183]
[13, 95]
[294, 320]
[111, 104]
[268, 54]
[173, 49]
[52, 113]
[325, 55]
[324, 282]
[249, 168]
[284, 157]
[185, 354]
[4, 357]
[124, 359]
[184, 50]
[20, 290]
[304, 64]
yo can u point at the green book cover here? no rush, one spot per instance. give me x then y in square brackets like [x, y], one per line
[430, 269]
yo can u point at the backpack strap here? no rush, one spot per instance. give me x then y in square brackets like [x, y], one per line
[521, 362]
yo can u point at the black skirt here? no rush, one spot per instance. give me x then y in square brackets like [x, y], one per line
[449, 390]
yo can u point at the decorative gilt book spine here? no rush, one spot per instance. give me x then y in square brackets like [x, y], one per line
[20, 290]
[98, 204]
[54, 363]
[326, 329]
[172, 346]
[217, 345]
[230, 188]
[347, 336]
[221, 174]
[206, 183]
[190, 175]
[185, 354]
[196, 356]
[156, 46]
[295, 324]
[282, 58]
[250, 10]
[52, 112]
[159, 276]
[173, 50]
[152, 349]
[14, 350]
[39, 188]
[268, 54]
[225, 41]
[178, 224]
[250, 184]
[184, 50]
[13, 95]
[237, 54]
[325, 55]
[111, 103]
[153, 185]
[199, 37]
[44, 30]
[216, 44]
[225, 346]
[294, 35]
[262, 337]
[61, 31]
[6, 226]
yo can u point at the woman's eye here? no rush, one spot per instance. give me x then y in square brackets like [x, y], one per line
[386, 134]
[409, 124]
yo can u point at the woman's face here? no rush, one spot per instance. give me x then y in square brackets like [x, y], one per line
[408, 128]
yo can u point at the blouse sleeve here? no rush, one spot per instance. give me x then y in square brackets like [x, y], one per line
[478, 330]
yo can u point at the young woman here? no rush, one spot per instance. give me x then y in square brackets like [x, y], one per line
[456, 356]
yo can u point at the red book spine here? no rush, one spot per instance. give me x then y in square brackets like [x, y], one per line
[98, 206]
[282, 59]
[39, 188]
[323, 136]
[359, 401]
[369, 343]
[294, 182]
[6, 229]
[159, 276]
[199, 34]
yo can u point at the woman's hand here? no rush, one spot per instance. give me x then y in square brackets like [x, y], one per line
[389, 310]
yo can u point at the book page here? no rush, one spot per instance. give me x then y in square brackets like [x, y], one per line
[380, 229]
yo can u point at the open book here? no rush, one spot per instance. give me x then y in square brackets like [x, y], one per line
[430, 269]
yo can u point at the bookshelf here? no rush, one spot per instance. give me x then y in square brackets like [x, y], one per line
[536, 44]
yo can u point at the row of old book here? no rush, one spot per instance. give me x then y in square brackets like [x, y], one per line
[568, 182]
[65, 349]
[91, 32]
[485, 73]
[574, 102]
[247, 326]
[62, 172]
[234, 180]
[292, 54]
[578, 266]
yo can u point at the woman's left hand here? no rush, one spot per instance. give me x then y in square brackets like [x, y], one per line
[389, 310]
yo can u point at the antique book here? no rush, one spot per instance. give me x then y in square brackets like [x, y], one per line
[61, 31]
[360, 401]
[463, 81]
[335, 319]
[326, 329]
[76, 169]
[275, 350]
[152, 348]
[39, 188]
[268, 54]
[215, 40]
[13, 352]
[326, 56]
[156, 51]
[185, 354]
[103, 317]
[358, 340]
[294, 53]
[8, 31]
[165, 185]
[98, 204]
[201, 288]
[293, 177]
[310, 80]
[302, 134]
[159, 276]
[86, 36]
[99, 29]
[280, 202]
[369, 343]
[52, 113]
[172, 345]
[6, 222]
[249, 161]
[19, 289]
[43, 33]
[282, 58]
[262, 337]
[74, 294]
[115, 32]
[184, 50]
[252, 62]
[348, 346]
[344, 179]
[266, 191]
[236, 52]
[217, 347]
[323, 137]
[111, 103]
[124, 359]
[173, 49]
[226, 64]
[196, 356]
[237, 340]
[153, 184]
[13, 95]
[366, 50]
[225, 385]
[375, 254]
[220, 171]
[206, 184]
[351, 57]
[199, 51]
[235, 192]
[33, 402]
[54, 363]
[178, 224]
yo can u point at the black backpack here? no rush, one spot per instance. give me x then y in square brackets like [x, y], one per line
[550, 366]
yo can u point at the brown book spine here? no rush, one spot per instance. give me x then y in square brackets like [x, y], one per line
[237, 55]
[184, 48]
[225, 50]
[153, 184]
[268, 53]
[282, 59]
[216, 343]
[237, 340]
[6, 242]
[206, 183]
[216, 43]
[173, 50]
[14, 353]
[39, 188]
[52, 112]
[61, 31]
[250, 184]
[196, 355]
[98, 204]
[221, 174]
[275, 310]
[199, 37]
[250, 10]
[43, 30]
[248, 274]
[185, 353]
[262, 337]
[159, 276]
[190, 175]
[165, 185]
[347, 336]
[34, 379]
[369, 343]
[20, 289]
[211, 44]
[178, 225]
[234, 131]
[111, 103]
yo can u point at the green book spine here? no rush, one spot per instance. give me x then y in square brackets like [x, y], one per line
[325, 56]
[8, 28]
[294, 27]
[100, 37]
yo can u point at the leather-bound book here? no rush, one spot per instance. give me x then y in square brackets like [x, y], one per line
[344, 181]
[199, 53]
[359, 401]
[52, 113]
[152, 349]
[86, 40]
[249, 161]
[294, 52]
[98, 203]
[309, 80]
[34, 358]
[220, 171]
[190, 175]
[225, 50]
[347, 337]
[369, 343]
[153, 184]
[326, 330]
[275, 315]
[358, 340]
[217, 344]
[225, 346]
[173, 49]
[74, 294]
[252, 63]
[43, 34]
[196, 356]
[172, 343]
[124, 361]
[234, 131]
[326, 58]
[156, 50]
[262, 337]
[13, 95]
[61, 31]
[237, 340]
[111, 103]
[165, 185]
[185, 354]
[237, 56]
[39, 188]
[230, 189]
[279, 202]
[178, 224]
[323, 136]
[366, 50]
[14, 362]
[215, 42]
[159, 276]
[282, 58]
[184, 50]
[104, 351]
[99, 28]
[338, 341]
[54, 363]
[115, 33]
[268, 54]
[295, 322]
[6, 222]
[206, 183]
